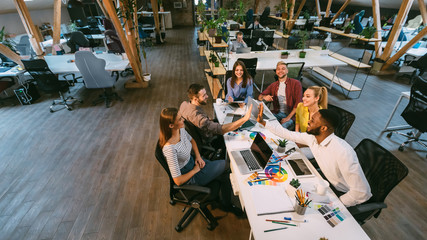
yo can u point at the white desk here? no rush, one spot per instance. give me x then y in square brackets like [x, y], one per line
[48, 43]
[166, 18]
[61, 64]
[233, 34]
[315, 227]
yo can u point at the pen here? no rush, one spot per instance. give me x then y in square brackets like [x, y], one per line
[271, 220]
[274, 229]
[274, 141]
[290, 219]
[289, 224]
[259, 180]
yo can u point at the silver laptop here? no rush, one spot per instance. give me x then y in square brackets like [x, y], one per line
[232, 117]
[266, 115]
[255, 158]
[243, 50]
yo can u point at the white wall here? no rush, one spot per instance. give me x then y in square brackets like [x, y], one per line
[13, 24]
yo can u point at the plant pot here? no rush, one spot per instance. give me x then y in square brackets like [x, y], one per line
[281, 149]
[376, 67]
[347, 30]
[302, 54]
[218, 39]
[284, 56]
[224, 60]
[212, 32]
[146, 77]
[290, 190]
[284, 15]
[217, 64]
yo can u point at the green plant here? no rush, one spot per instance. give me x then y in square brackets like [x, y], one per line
[222, 15]
[350, 25]
[295, 183]
[211, 24]
[284, 53]
[240, 15]
[4, 39]
[201, 15]
[72, 26]
[306, 14]
[367, 32]
[213, 58]
[303, 38]
[282, 143]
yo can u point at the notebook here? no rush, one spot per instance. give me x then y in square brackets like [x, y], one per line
[255, 158]
[270, 200]
[243, 50]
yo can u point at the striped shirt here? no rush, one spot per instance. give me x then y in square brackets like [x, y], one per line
[177, 155]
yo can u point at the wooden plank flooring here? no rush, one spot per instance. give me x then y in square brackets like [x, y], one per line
[91, 173]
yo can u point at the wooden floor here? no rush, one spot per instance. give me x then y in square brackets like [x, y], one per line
[91, 173]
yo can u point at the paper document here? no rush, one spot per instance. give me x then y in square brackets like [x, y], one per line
[271, 200]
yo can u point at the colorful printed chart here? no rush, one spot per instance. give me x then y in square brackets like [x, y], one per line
[276, 173]
[253, 135]
[331, 214]
[259, 179]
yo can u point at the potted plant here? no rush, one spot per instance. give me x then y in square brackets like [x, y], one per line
[292, 187]
[201, 16]
[211, 25]
[368, 32]
[161, 6]
[5, 40]
[240, 15]
[222, 15]
[282, 145]
[213, 59]
[219, 34]
[347, 29]
[301, 43]
[284, 55]
[306, 15]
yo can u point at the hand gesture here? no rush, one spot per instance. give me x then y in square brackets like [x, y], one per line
[248, 113]
[259, 117]
[199, 161]
[268, 98]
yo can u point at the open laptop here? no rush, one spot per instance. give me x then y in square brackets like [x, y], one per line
[266, 115]
[255, 158]
[243, 50]
[231, 117]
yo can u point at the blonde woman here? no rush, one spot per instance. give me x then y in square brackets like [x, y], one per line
[314, 98]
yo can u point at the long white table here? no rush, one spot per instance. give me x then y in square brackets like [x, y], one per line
[315, 227]
[65, 63]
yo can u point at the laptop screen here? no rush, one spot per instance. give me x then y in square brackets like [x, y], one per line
[261, 151]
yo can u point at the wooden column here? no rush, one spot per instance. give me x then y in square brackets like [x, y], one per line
[341, 9]
[318, 9]
[405, 48]
[256, 6]
[423, 10]
[156, 16]
[10, 54]
[328, 8]
[56, 24]
[110, 8]
[377, 25]
[101, 6]
[291, 9]
[297, 15]
[397, 27]
[29, 26]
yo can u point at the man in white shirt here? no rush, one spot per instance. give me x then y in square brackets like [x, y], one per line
[336, 158]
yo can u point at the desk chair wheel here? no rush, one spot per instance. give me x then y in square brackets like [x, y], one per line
[401, 148]
[389, 134]
[178, 228]
[212, 226]
[172, 202]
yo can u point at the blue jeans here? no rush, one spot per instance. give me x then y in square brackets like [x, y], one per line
[212, 170]
[289, 124]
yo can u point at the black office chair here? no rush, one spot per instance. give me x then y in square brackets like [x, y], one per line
[77, 39]
[205, 145]
[295, 70]
[196, 198]
[249, 17]
[415, 114]
[420, 65]
[264, 19]
[247, 34]
[292, 42]
[383, 172]
[48, 82]
[346, 121]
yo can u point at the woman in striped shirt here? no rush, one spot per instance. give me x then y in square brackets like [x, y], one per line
[177, 144]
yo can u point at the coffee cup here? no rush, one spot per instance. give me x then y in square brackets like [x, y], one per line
[322, 187]
[218, 101]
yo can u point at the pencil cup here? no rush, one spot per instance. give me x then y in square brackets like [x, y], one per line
[300, 209]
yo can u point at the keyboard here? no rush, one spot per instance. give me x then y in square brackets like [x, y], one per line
[250, 160]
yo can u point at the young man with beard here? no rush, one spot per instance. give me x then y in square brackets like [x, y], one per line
[192, 111]
[336, 158]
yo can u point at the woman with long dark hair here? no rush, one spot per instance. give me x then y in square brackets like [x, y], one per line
[240, 85]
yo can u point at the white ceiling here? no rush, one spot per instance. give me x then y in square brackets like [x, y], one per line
[7, 6]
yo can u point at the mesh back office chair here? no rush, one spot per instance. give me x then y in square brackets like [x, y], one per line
[205, 146]
[249, 17]
[196, 198]
[264, 19]
[383, 172]
[346, 121]
[295, 70]
[247, 34]
[112, 42]
[77, 39]
[48, 82]
[95, 76]
[420, 65]
[415, 113]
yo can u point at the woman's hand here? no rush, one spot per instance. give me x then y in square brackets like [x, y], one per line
[248, 113]
[199, 161]
[196, 168]
[268, 98]
[230, 99]
[242, 105]
[286, 119]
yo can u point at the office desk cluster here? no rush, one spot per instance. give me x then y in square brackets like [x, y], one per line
[316, 225]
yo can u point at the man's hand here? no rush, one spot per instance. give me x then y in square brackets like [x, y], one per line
[248, 114]
[268, 98]
[286, 119]
[259, 117]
